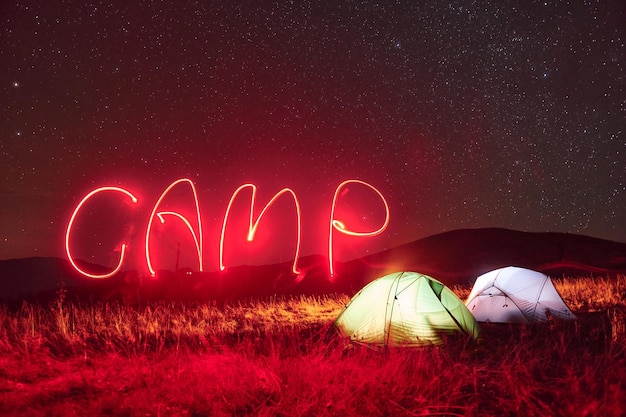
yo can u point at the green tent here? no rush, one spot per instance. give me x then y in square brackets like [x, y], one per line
[405, 309]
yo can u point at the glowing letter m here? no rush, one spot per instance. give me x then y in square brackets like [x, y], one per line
[252, 226]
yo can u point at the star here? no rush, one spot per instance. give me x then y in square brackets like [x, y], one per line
[490, 115]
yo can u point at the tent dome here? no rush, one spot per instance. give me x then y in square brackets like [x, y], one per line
[515, 295]
[405, 309]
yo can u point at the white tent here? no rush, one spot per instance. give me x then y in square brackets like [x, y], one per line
[405, 309]
[515, 295]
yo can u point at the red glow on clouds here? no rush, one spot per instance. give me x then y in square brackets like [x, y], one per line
[340, 225]
[69, 229]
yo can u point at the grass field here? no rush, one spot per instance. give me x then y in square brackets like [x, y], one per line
[282, 357]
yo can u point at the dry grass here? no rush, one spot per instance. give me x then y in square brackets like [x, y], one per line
[281, 357]
[592, 293]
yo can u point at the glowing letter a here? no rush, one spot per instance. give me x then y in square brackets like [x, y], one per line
[341, 227]
[254, 224]
[197, 238]
[69, 229]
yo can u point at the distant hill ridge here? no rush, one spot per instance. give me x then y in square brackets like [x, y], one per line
[461, 255]
[454, 257]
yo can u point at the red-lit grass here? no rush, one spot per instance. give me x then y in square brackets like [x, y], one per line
[281, 357]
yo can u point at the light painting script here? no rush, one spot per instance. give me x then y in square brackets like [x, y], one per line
[252, 226]
[195, 228]
[71, 223]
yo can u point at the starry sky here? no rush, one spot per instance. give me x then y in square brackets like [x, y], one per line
[463, 114]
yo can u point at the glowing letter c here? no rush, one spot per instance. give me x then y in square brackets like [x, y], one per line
[71, 222]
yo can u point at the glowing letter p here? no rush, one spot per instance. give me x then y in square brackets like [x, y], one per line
[69, 229]
[340, 226]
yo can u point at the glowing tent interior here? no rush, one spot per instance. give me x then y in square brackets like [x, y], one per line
[405, 309]
[516, 295]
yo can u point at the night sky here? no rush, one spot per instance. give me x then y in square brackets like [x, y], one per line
[462, 114]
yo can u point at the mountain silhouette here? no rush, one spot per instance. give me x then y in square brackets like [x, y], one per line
[459, 256]
[455, 257]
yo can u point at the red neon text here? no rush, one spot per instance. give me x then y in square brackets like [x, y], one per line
[197, 238]
[341, 227]
[71, 222]
[334, 224]
[253, 225]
